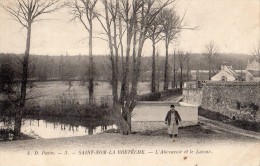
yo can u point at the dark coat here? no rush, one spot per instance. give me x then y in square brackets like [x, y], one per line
[168, 117]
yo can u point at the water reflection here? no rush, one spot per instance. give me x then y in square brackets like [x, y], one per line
[45, 129]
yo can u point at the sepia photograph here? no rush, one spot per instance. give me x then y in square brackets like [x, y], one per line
[130, 82]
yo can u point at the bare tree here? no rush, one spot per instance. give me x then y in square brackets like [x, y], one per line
[174, 84]
[148, 12]
[84, 11]
[188, 65]
[26, 12]
[111, 29]
[158, 71]
[211, 55]
[133, 20]
[182, 58]
[69, 72]
[171, 24]
[256, 53]
[154, 34]
[111, 21]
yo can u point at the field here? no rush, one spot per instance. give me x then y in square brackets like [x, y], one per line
[49, 92]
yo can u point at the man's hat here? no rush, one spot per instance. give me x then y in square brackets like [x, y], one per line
[172, 106]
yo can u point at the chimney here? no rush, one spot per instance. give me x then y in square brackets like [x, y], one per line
[223, 65]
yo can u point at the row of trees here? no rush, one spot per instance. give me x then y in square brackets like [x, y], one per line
[120, 19]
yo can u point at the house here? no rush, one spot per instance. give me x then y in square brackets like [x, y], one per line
[226, 73]
[253, 71]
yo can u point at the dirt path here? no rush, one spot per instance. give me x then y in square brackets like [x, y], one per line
[197, 145]
[203, 134]
[129, 150]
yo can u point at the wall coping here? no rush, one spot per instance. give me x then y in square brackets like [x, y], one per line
[232, 83]
[163, 103]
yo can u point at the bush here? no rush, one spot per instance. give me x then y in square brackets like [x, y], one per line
[96, 112]
[6, 134]
[150, 97]
[159, 96]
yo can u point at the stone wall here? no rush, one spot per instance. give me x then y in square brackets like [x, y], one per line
[233, 99]
[192, 96]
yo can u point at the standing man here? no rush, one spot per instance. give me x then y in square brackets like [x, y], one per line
[172, 119]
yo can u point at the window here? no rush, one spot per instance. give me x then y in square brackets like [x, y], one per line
[223, 78]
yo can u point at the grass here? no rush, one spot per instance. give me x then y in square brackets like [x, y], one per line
[247, 125]
[212, 115]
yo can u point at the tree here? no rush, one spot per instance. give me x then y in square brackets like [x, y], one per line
[26, 12]
[84, 11]
[188, 65]
[69, 72]
[135, 18]
[256, 53]
[174, 84]
[182, 58]
[158, 71]
[211, 55]
[154, 34]
[149, 10]
[171, 24]
[111, 27]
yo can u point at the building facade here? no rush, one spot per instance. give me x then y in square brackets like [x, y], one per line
[253, 71]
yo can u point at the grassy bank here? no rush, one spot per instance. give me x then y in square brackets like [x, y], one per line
[160, 96]
[243, 124]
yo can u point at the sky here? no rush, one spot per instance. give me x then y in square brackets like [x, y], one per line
[233, 25]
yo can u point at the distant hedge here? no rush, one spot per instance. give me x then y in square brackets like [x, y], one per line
[159, 96]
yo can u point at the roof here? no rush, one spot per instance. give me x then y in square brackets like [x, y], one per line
[254, 65]
[254, 73]
[230, 71]
[225, 71]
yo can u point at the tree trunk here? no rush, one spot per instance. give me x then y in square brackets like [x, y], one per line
[210, 69]
[120, 120]
[174, 71]
[181, 81]
[188, 71]
[153, 84]
[129, 121]
[18, 122]
[158, 73]
[113, 58]
[166, 86]
[19, 113]
[91, 68]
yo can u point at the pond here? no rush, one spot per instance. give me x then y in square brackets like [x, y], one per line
[49, 129]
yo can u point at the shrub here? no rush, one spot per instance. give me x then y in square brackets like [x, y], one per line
[6, 134]
[159, 96]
